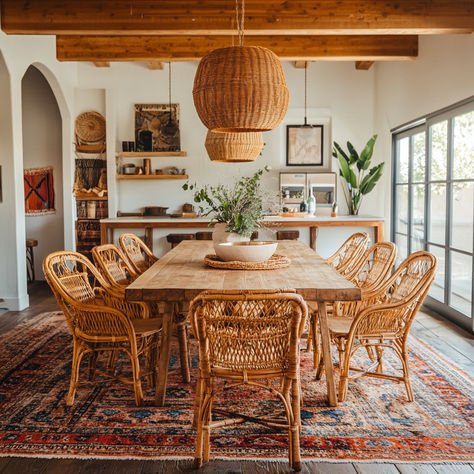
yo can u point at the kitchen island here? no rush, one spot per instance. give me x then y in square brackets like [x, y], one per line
[148, 224]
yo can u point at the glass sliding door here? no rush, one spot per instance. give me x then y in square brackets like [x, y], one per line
[433, 205]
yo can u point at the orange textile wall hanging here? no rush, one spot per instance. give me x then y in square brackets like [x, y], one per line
[39, 191]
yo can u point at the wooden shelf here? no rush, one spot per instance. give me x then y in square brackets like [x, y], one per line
[152, 176]
[89, 197]
[149, 154]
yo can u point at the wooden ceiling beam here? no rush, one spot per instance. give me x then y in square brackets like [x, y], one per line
[363, 65]
[190, 48]
[272, 17]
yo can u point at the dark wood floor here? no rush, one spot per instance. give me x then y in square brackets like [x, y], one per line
[452, 343]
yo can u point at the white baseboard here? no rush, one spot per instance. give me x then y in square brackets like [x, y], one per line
[15, 304]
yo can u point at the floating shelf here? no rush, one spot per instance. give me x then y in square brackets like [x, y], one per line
[89, 197]
[152, 176]
[149, 154]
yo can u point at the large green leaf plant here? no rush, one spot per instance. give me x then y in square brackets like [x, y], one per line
[358, 179]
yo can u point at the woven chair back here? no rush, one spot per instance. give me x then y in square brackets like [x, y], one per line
[347, 257]
[251, 331]
[113, 265]
[136, 251]
[375, 266]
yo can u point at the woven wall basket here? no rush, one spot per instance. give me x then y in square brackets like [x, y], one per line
[90, 127]
[233, 147]
[240, 89]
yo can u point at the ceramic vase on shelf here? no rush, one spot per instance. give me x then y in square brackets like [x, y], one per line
[220, 235]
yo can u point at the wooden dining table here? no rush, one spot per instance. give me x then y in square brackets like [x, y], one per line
[181, 275]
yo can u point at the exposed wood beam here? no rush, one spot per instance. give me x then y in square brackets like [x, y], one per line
[189, 48]
[101, 63]
[125, 17]
[363, 65]
[155, 65]
[300, 64]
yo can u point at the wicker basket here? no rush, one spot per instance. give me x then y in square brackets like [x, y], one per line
[240, 89]
[233, 147]
[89, 128]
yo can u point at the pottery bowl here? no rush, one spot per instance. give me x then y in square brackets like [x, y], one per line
[253, 251]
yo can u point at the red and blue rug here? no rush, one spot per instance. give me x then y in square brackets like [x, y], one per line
[376, 423]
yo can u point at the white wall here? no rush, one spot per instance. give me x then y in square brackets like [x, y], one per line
[338, 95]
[441, 76]
[42, 146]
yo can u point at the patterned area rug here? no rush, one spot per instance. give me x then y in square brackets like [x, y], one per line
[376, 423]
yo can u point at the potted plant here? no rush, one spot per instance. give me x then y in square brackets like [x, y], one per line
[353, 170]
[236, 210]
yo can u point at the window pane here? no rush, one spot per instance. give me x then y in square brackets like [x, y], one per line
[419, 157]
[461, 282]
[401, 224]
[418, 217]
[463, 201]
[403, 155]
[401, 241]
[437, 213]
[439, 150]
[437, 288]
[463, 158]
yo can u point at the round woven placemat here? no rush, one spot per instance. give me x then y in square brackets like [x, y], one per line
[90, 127]
[273, 263]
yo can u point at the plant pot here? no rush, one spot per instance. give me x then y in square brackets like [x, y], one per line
[220, 235]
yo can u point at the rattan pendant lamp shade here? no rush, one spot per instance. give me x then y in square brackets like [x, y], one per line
[240, 88]
[233, 147]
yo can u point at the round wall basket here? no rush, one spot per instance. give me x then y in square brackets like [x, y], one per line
[233, 147]
[240, 89]
[90, 127]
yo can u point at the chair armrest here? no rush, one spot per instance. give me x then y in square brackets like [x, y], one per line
[115, 298]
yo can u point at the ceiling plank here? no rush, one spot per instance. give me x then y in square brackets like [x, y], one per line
[363, 65]
[155, 65]
[190, 48]
[125, 17]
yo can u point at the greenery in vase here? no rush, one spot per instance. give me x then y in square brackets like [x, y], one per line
[353, 170]
[239, 206]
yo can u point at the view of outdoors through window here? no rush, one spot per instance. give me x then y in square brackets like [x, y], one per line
[433, 202]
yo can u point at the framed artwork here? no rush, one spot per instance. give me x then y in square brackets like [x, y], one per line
[304, 145]
[154, 131]
[39, 191]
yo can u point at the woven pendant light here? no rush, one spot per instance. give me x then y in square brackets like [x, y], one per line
[233, 147]
[240, 88]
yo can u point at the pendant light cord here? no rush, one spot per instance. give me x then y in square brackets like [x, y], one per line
[240, 23]
[305, 92]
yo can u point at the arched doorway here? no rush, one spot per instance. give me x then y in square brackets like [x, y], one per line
[43, 157]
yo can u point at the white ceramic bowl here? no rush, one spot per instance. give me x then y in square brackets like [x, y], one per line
[253, 251]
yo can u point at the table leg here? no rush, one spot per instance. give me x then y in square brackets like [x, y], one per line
[164, 355]
[326, 349]
[149, 238]
[103, 234]
[313, 232]
[378, 232]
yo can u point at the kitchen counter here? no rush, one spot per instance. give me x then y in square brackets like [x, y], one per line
[313, 223]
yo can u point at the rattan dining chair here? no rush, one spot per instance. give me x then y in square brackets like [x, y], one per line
[113, 266]
[347, 256]
[246, 338]
[138, 255]
[372, 270]
[384, 321]
[100, 320]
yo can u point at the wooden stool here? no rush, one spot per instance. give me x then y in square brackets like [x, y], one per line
[175, 239]
[203, 235]
[288, 235]
[30, 259]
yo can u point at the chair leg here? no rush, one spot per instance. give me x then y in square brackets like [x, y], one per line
[92, 364]
[406, 377]
[197, 401]
[137, 386]
[379, 352]
[315, 342]
[344, 372]
[295, 427]
[183, 351]
[203, 412]
[309, 340]
[77, 354]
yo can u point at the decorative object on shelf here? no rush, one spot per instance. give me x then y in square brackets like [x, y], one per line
[128, 168]
[139, 170]
[275, 262]
[39, 191]
[240, 88]
[125, 146]
[252, 251]
[238, 207]
[150, 122]
[334, 209]
[311, 204]
[131, 147]
[233, 147]
[89, 129]
[158, 172]
[155, 211]
[147, 165]
[187, 207]
[90, 176]
[360, 184]
[304, 143]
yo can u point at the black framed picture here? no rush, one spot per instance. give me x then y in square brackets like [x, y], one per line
[304, 145]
